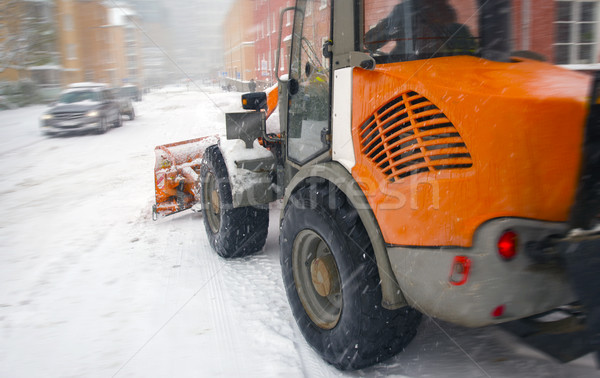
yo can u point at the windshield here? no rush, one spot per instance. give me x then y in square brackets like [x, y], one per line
[396, 30]
[78, 96]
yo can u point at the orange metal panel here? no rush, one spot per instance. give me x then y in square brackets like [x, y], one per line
[466, 141]
[272, 99]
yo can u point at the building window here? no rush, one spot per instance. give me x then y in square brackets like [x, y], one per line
[274, 22]
[129, 34]
[131, 61]
[67, 22]
[71, 53]
[576, 32]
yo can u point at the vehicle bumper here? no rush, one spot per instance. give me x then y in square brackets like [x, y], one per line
[495, 290]
[58, 127]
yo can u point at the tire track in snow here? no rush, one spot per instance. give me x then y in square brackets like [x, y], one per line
[226, 327]
[263, 311]
[26, 145]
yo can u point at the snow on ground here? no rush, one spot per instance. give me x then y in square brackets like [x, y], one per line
[91, 287]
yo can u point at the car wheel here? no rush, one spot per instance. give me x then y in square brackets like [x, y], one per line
[119, 120]
[132, 114]
[103, 127]
[233, 232]
[332, 282]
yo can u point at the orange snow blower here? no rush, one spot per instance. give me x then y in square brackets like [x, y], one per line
[176, 174]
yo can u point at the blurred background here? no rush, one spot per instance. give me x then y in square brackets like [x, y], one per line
[47, 44]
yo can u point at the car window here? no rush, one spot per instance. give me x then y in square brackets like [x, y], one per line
[78, 96]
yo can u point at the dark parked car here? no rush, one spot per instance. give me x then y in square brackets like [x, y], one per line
[85, 108]
[132, 92]
[125, 105]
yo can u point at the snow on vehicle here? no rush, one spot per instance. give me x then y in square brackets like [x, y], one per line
[423, 170]
[176, 175]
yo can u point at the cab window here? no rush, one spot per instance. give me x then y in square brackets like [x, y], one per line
[308, 119]
[408, 30]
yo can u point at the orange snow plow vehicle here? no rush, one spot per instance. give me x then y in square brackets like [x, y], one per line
[425, 164]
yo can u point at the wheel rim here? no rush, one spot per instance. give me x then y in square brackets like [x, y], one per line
[317, 279]
[212, 208]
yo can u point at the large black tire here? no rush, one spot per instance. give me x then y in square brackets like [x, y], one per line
[332, 282]
[233, 232]
[132, 114]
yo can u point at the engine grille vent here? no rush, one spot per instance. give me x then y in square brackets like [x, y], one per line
[410, 135]
[68, 115]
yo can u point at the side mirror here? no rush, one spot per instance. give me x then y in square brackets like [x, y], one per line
[254, 101]
[294, 86]
[328, 49]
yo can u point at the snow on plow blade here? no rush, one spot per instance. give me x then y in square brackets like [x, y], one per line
[176, 174]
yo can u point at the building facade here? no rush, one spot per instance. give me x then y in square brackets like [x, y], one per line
[156, 41]
[125, 47]
[27, 41]
[239, 41]
[267, 14]
[99, 42]
[565, 32]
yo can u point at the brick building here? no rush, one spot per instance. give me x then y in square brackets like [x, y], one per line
[239, 40]
[251, 31]
[267, 14]
[27, 40]
[565, 32]
[98, 42]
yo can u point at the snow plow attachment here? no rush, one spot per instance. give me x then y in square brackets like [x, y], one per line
[176, 173]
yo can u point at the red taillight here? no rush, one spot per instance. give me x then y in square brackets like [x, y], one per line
[498, 311]
[507, 245]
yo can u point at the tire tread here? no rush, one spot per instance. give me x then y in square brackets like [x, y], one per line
[243, 230]
[378, 333]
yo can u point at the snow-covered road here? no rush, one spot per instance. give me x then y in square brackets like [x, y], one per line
[90, 286]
